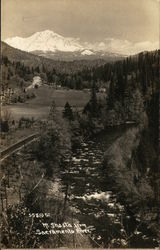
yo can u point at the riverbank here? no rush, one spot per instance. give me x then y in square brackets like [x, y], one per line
[132, 187]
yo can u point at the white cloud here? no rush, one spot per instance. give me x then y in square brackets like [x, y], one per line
[147, 45]
[124, 47]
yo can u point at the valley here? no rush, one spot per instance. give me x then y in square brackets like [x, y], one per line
[94, 161]
[80, 124]
[39, 106]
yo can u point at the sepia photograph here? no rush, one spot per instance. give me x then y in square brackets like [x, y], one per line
[80, 123]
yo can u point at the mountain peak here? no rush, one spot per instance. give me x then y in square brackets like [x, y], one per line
[47, 33]
[46, 40]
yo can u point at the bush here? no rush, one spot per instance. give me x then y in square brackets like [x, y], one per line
[4, 126]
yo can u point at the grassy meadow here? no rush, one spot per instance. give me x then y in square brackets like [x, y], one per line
[39, 106]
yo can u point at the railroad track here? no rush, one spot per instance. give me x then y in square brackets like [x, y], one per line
[16, 146]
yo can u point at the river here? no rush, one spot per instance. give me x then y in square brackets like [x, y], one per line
[90, 196]
[91, 199]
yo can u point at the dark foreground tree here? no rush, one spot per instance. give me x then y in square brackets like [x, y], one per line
[4, 126]
[92, 108]
[67, 113]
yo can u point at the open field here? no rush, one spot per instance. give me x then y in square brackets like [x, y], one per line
[40, 105]
[45, 95]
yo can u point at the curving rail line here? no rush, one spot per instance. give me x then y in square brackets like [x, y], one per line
[16, 146]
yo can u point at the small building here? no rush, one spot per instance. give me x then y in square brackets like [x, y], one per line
[102, 90]
[86, 90]
[58, 86]
[37, 82]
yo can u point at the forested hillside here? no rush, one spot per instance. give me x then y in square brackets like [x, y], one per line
[112, 184]
[131, 166]
[31, 60]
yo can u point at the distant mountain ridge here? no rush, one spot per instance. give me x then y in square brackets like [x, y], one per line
[31, 60]
[52, 45]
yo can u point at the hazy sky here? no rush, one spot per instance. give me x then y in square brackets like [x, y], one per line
[90, 20]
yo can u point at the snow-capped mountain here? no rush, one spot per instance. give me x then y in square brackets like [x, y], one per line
[45, 41]
[52, 45]
[87, 52]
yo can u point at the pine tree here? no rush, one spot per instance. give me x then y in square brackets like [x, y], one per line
[8, 77]
[43, 69]
[67, 113]
[93, 101]
[5, 60]
[92, 107]
[32, 70]
[52, 111]
[110, 99]
[37, 69]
